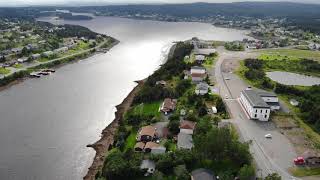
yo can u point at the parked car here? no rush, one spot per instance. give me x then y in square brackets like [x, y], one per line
[268, 136]
[299, 161]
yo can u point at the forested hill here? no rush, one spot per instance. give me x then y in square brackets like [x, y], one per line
[256, 9]
[303, 15]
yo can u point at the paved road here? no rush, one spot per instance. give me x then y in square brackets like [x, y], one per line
[270, 155]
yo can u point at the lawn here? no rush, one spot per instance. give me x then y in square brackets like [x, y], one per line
[149, 109]
[4, 71]
[131, 140]
[304, 171]
[18, 66]
[294, 53]
[209, 62]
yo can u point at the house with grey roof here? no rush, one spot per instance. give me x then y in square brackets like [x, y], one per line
[258, 104]
[149, 166]
[185, 141]
[202, 88]
[202, 174]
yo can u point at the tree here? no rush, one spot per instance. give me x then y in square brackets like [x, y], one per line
[247, 172]
[273, 176]
[181, 172]
[174, 127]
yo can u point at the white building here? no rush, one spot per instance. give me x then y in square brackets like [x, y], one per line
[258, 104]
[198, 70]
[199, 58]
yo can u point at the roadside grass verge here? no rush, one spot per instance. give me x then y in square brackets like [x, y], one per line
[4, 71]
[293, 53]
[304, 171]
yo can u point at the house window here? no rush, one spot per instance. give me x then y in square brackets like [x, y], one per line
[261, 111]
[266, 110]
[255, 115]
[256, 110]
[265, 116]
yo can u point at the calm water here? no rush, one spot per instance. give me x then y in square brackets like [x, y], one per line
[289, 78]
[45, 124]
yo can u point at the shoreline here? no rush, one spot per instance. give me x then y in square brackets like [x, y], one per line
[107, 138]
[50, 64]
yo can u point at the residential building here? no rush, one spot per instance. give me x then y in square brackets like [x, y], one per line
[196, 78]
[185, 141]
[146, 134]
[202, 88]
[35, 56]
[205, 52]
[199, 59]
[61, 50]
[23, 59]
[198, 70]
[187, 127]
[168, 105]
[47, 54]
[294, 102]
[202, 174]
[139, 147]
[150, 145]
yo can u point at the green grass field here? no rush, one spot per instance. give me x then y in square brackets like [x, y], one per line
[148, 109]
[293, 53]
[18, 66]
[4, 71]
[131, 140]
[302, 172]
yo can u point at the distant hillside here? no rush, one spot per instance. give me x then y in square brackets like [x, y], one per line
[306, 16]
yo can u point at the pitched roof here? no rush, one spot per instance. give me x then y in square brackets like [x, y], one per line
[202, 86]
[185, 141]
[202, 174]
[147, 130]
[139, 145]
[150, 145]
[168, 104]
[198, 75]
[184, 124]
[198, 67]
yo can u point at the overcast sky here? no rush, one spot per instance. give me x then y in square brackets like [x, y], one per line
[97, 2]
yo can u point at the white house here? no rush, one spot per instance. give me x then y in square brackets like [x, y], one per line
[23, 59]
[198, 70]
[199, 58]
[271, 99]
[254, 105]
[202, 88]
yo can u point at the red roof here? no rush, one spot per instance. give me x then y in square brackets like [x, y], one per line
[184, 124]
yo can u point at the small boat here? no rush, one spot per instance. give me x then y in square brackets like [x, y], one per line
[44, 73]
[35, 74]
[48, 70]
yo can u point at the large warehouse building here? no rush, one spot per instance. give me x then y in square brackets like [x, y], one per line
[259, 104]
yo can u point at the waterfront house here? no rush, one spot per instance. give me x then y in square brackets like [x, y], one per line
[146, 134]
[187, 127]
[35, 56]
[202, 174]
[139, 146]
[47, 54]
[23, 59]
[149, 146]
[168, 105]
[185, 141]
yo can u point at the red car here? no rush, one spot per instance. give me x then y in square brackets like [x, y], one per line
[299, 161]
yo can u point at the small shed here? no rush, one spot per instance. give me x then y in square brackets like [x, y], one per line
[214, 110]
[148, 165]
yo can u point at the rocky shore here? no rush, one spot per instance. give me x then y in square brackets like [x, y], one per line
[107, 138]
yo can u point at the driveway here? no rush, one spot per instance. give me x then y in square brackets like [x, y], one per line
[270, 155]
